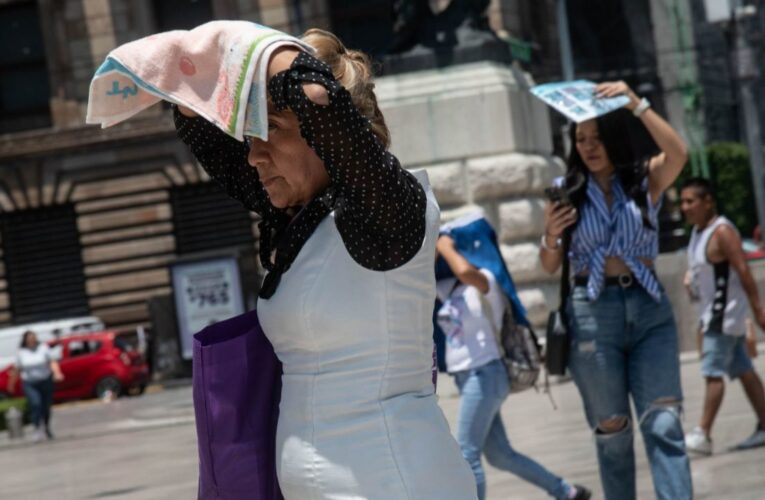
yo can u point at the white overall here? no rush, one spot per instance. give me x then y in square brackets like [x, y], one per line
[358, 415]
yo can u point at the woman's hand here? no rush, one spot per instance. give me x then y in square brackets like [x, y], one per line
[187, 112]
[282, 59]
[667, 165]
[56, 369]
[613, 89]
[558, 217]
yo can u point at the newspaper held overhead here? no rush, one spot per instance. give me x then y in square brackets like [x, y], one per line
[577, 100]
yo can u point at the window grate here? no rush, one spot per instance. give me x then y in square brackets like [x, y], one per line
[43, 264]
[206, 218]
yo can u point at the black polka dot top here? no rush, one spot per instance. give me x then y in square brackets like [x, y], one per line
[379, 207]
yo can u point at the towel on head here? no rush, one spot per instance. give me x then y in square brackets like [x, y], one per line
[218, 70]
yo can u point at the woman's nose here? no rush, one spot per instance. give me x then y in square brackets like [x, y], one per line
[258, 152]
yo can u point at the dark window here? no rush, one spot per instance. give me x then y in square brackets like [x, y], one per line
[24, 87]
[363, 24]
[205, 218]
[43, 264]
[83, 347]
[181, 14]
[123, 345]
[612, 36]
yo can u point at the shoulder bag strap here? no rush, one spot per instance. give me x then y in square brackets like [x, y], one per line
[565, 277]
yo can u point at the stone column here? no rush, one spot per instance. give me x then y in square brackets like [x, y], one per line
[485, 142]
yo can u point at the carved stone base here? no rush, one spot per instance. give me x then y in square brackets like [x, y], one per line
[485, 142]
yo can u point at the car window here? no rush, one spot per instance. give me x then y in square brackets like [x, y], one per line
[76, 348]
[83, 347]
[122, 344]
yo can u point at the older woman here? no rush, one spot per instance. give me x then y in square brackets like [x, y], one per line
[38, 370]
[348, 239]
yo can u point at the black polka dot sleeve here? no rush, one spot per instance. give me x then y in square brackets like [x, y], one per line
[224, 159]
[379, 206]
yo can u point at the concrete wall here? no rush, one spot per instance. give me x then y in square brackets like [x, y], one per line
[485, 142]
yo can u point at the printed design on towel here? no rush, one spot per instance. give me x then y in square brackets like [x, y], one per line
[218, 70]
[125, 91]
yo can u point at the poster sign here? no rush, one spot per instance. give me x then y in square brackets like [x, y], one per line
[577, 100]
[206, 292]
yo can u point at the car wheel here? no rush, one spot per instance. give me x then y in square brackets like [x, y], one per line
[108, 388]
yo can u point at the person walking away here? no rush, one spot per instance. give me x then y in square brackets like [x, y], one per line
[473, 306]
[623, 337]
[38, 371]
[726, 290]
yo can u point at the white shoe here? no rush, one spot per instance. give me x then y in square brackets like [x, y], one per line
[38, 436]
[753, 441]
[697, 442]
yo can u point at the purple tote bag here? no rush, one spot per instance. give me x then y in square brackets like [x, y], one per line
[237, 386]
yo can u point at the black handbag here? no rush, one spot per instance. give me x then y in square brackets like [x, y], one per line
[558, 338]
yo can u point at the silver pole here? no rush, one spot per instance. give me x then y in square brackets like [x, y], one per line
[564, 37]
[746, 72]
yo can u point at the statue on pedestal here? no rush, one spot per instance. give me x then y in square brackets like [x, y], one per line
[436, 33]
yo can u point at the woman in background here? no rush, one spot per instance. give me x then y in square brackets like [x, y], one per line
[474, 300]
[38, 371]
[623, 333]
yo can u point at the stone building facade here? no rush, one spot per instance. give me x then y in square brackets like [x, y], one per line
[91, 219]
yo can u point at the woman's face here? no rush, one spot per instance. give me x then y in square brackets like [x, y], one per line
[288, 168]
[591, 149]
[31, 341]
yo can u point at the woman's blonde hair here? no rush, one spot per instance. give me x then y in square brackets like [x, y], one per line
[353, 70]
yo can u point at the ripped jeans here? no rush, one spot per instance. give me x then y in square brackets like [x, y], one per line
[625, 343]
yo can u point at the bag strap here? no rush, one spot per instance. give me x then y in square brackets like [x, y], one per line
[486, 305]
[457, 283]
[565, 278]
[565, 291]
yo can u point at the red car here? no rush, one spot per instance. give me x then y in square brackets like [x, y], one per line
[94, 365]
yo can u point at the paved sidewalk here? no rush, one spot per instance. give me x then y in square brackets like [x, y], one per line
[144, 448]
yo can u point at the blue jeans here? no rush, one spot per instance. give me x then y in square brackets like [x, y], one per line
[480, 430]
[39, 396]
[625, 343]
[724, 355]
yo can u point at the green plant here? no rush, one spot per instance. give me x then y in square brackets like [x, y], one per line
[731, 177]
[7, 404]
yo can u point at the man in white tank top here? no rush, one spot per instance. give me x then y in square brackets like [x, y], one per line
[722, 285]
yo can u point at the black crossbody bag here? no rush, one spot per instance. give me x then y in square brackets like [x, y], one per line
[558, 337]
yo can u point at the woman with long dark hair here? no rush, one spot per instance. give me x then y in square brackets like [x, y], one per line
[623, 333]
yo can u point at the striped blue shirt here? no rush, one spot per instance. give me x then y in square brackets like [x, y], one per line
[615, 232]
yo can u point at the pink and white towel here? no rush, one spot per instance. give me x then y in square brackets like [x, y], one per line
[218, 69]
